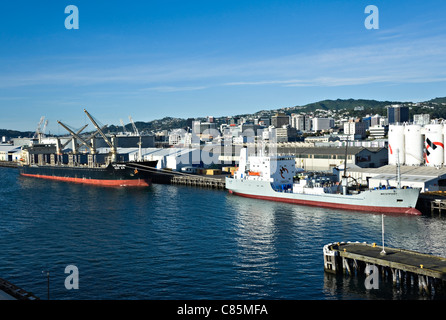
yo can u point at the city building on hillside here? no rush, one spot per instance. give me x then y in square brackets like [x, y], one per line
[355, 127]
[320, 124]
[378, 131]
[279, 120]
[397, 113]
[421, 119]
[301, 122]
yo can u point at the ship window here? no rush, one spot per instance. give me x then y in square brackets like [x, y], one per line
[399, 200]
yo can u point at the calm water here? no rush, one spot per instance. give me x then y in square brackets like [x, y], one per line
[175, 242]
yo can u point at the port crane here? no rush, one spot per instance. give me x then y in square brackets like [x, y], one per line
[41, 127]
[135, 129]
[123, 126]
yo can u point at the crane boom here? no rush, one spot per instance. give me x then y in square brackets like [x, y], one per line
[99, 129]
[39, 127]
[78, 133]
[111, 144]
[134, 126]
[77, 137]
[123, 126]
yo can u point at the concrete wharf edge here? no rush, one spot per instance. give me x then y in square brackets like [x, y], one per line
[405, 260]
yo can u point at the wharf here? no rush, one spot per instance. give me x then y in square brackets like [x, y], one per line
[402, 266]
[8, 164]
[432, 202]
[216, 182]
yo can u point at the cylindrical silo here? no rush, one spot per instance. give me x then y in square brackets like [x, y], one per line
[434, 145]
[396, 144]
[444, 141]
[413, 145]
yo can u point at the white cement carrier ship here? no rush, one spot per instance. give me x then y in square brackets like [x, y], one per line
[272, 178]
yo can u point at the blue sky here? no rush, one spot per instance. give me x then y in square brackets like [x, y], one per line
[151, 59]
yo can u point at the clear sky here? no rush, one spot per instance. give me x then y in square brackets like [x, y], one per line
[151, 59]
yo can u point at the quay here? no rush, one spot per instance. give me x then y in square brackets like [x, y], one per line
[8, 164]
[403, 267]
[200, 181]
[432, 202]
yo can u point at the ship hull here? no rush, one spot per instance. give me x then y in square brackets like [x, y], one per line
[114, 175]
[394, 201]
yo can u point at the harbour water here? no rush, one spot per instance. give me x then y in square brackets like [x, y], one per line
[175, 242]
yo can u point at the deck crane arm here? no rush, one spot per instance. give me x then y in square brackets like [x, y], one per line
[111, 144]
[100, 130]
[77, 136]
[78, 133]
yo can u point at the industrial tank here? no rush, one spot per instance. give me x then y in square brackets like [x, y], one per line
[413, 145]
[396, 144]
[434, 145]
[444, 141]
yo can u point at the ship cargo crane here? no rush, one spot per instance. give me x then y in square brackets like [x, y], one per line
[111, 144]
[75, 135]
[60, 146]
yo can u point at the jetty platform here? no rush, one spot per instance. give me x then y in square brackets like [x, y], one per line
[9, 291]
[402, 266]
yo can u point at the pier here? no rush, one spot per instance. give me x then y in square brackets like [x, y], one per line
[438, 205]
[403, 267]
[9, 291]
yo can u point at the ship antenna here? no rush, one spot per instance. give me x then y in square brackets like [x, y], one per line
[345, 159]
[344, 177]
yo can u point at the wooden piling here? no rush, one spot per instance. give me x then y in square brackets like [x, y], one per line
[404, 268]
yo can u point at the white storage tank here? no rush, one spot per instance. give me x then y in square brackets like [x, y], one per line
[396, 144]
[413, 145]
[434, 145]
[444, 141]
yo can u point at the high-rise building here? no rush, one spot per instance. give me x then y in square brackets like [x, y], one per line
[322, 123]
[356, 127]
[397, 113]
[301, 122]
[374, 120]
[279, 120]
[421, 119]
